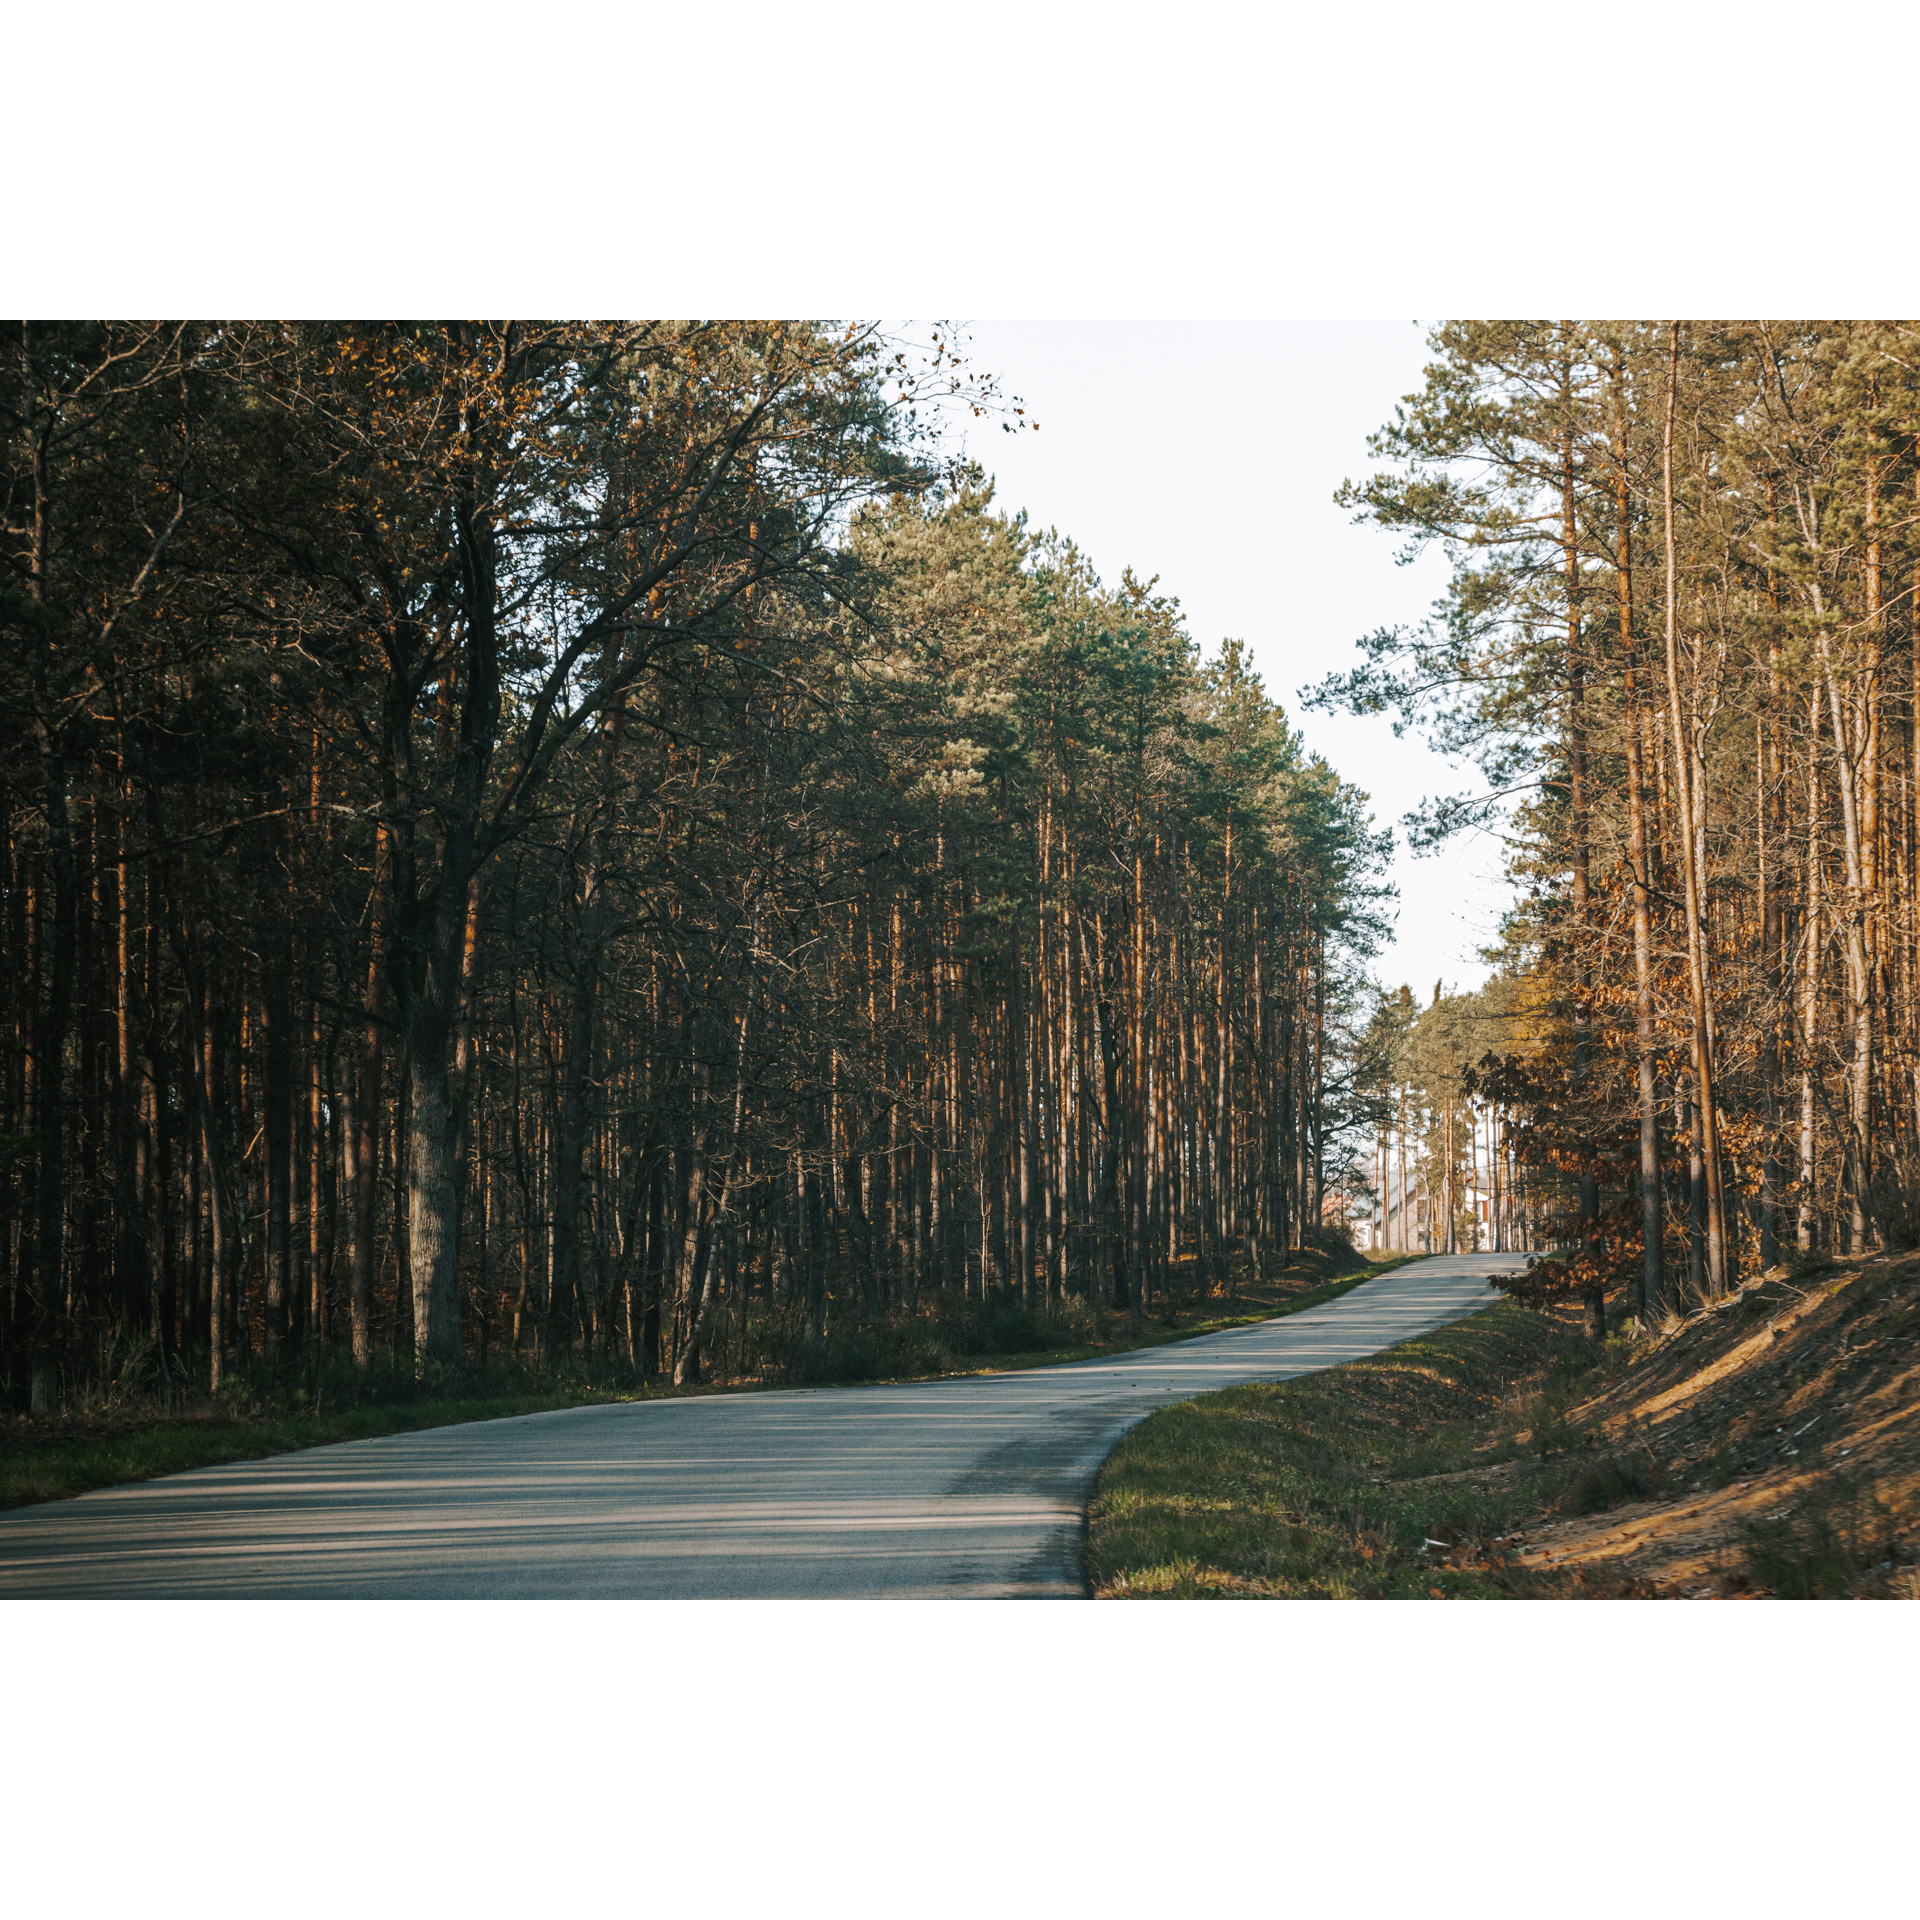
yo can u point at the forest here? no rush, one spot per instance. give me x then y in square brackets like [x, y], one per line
[599, 845]
[1680, 643]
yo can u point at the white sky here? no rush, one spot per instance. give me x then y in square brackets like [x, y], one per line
[1208, 452]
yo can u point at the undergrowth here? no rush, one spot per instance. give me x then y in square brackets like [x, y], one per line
[1832, 1547]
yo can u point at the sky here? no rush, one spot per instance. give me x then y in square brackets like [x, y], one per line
[1208, 452]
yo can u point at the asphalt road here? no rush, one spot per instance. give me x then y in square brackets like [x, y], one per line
[969, 1488]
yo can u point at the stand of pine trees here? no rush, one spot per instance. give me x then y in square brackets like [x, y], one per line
[542, 840]
[1446, 1168]
[1682, 635]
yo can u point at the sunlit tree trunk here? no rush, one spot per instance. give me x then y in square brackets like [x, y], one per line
[1594, 1297]
[1812, 943]
[1690, 771]
[1639, 856]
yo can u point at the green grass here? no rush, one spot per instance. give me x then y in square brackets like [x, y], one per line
[1334, 1485]
[263, 1416]
[66, 1467]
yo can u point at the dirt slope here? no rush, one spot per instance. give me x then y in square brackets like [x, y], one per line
[1773, 1444]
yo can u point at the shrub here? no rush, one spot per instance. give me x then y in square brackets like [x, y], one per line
[1821, 1551]
[1608, 1481]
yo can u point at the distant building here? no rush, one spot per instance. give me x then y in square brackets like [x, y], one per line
[1381, 1230]
[1379, 1227]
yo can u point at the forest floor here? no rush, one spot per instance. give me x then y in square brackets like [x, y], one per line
[1765, 1446]
[108, 1439]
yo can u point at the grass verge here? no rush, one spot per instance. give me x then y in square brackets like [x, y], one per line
[1317, 1296]
[69, 1466]
[1399, 1476]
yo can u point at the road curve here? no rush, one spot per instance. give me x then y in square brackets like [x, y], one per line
[957, 1489]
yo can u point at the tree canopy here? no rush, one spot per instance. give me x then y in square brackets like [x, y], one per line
[562, 837]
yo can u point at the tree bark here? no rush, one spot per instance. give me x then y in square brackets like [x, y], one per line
[1639, 854]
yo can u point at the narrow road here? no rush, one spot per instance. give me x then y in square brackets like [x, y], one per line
[969, 1488]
